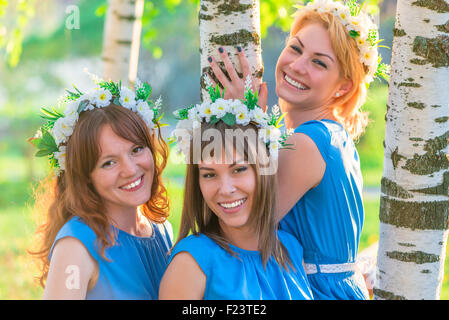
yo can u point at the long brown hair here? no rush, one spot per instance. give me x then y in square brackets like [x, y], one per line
[197, 217]
[346, 108]
[59, 198]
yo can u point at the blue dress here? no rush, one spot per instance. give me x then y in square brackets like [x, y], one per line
[244, 278]
[137, 263]
[328, 219]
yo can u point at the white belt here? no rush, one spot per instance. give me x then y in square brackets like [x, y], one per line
[312, 268]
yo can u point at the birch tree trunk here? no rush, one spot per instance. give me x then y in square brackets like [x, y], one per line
[414, 200]
[121, 40]
[228, 24]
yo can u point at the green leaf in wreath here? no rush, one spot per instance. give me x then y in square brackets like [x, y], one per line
[214, 119]
[43, 153]
[229, 119]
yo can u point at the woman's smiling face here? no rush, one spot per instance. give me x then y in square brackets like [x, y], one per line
[228, 190]
[124, 172]
[307, 71]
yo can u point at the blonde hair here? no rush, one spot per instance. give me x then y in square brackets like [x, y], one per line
[346, 108]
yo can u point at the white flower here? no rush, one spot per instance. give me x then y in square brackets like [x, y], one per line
[368, 56]
[61, 156]
[193, 113]
[127, 98]
[63, 128]
[219, 108]
[274, 149]
[269, 133]
[235, 105]
[71, 108]
[205, 111]
[241, 115]
[343, 14]
[102, 98]
[259, 116]
[142, 106]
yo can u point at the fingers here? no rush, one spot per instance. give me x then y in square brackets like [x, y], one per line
[262, 97]
[218, 73]
[228, 64]
[246, 70]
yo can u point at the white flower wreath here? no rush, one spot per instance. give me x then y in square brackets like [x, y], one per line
[231, 112]
[52, 136]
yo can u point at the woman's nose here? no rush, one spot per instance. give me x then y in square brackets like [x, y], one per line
[128, 167]
[227, 186]
[299, 65]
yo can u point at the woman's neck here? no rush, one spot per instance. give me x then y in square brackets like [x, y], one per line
[243, 237]
[296, 115]
[130, 221]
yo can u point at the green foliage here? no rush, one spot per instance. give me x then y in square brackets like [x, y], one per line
[12, 34]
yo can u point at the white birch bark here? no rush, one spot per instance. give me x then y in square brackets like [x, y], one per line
[414, 198]
[228, 24]
[121, 40]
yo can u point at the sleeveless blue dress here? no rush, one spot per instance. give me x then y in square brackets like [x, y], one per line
[136, 265]
[244, 278]
[328, 219]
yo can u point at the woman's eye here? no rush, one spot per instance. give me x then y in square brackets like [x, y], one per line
[208, 175]
[240, 169]
[296, 48]
[320, 63]
[137, 149]
[107, 164]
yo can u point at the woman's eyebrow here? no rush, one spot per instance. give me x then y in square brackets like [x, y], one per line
[316, 53]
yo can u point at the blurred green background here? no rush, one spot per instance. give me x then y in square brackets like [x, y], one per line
[53, 57]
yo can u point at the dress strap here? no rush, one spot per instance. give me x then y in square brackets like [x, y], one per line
[165, 234]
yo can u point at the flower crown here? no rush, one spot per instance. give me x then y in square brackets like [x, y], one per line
[361, 28]
[231, 112]
[50, 139]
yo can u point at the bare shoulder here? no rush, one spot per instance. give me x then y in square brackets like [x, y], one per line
[71, 269]
[183, 279]
[300, 169]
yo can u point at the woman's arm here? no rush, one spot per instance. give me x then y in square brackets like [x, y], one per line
[71, 269]
[183, 279]
[299, 170]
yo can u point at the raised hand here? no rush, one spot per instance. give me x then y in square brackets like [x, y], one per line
[235, 86]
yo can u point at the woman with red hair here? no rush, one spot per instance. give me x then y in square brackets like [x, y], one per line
[104, 233]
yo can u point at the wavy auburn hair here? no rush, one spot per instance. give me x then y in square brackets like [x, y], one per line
[72, 194]
[346, 108]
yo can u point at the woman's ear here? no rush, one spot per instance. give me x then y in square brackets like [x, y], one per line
[345, 86]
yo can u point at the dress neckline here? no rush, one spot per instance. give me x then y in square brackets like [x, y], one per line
[129, 235]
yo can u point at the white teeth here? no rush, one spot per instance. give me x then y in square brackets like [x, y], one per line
[132, 185]
[233, 204]
[294, 83]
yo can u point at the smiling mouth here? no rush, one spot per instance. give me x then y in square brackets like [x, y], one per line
[136, 184]
[232, 205]
[294, 83]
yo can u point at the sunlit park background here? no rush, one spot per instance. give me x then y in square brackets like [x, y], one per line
[53, 56]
